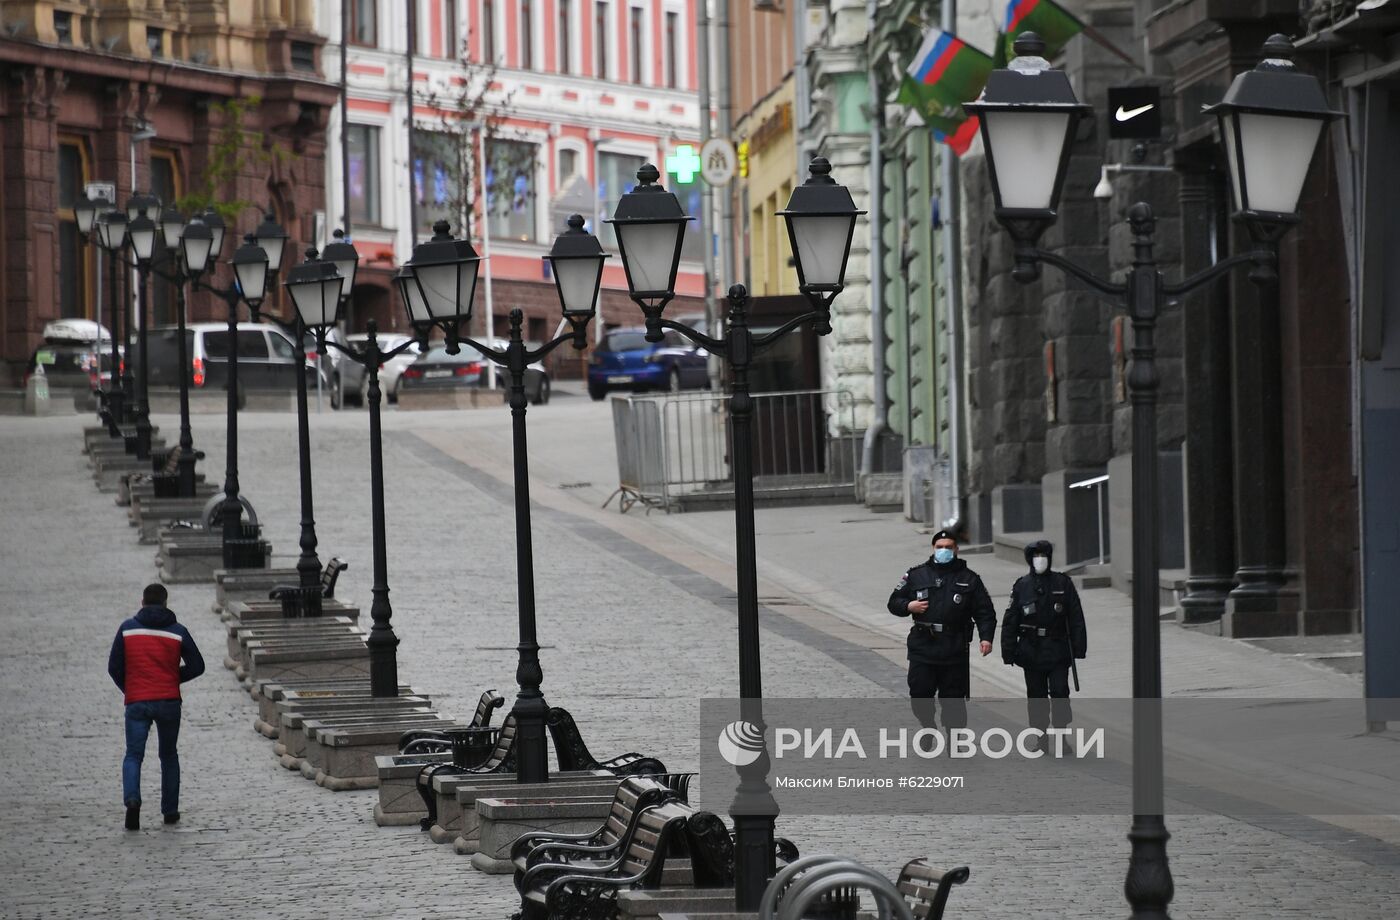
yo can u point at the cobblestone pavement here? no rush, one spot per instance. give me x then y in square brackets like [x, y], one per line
[260, 841]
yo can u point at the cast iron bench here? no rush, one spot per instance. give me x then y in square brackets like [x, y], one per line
[588, 891]
[573, 754]
[306, 602]
[633, 794]
[469, 745]
[926, 889]
[711, 846]
[165, 472]
[500, 760]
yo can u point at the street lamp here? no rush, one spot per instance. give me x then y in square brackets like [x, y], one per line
[272, 239]
[250, 267]
[85, 211]
[142, 234]
[821, 217]
[435, 282]
[447, 255]
[111, 235]
[1271, 120]
[143, 203]
[215, 222]
[346, 259]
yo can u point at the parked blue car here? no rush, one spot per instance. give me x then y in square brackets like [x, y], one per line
[625, 360]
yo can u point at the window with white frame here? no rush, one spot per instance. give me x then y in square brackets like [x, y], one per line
[565, 33]
[673, 38]
[602, 38]
[488, 31]
[527, 34]
[511, 192]
[636, 41]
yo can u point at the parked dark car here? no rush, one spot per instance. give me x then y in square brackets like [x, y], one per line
[435, 369]
[267, 358]
[625, 360]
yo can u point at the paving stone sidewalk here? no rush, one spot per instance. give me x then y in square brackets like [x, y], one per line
[260, 841]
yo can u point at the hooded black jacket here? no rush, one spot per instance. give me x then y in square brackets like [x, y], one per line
[1046, 602]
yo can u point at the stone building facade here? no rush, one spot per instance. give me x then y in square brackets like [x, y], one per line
[79, 79]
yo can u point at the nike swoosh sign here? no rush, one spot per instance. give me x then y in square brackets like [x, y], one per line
[1129, 114]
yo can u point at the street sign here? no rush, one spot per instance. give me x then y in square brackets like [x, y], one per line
[1134, 111]
[101, 189]
[720, 161]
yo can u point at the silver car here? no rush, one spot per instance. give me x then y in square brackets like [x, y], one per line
[352, 381]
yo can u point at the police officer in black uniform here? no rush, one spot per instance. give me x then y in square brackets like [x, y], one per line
[945, 599]
[1042, 632]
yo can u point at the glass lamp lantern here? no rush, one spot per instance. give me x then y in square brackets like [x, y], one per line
[273, 240]
[576, 260]
[413, 303]
[250, 265]
[196, 245]
[111, 230]
[142, 231]
[346, 259]
[821, 220]
[172, 227]
[143, 203]
[445, 270]
[1270, 121]
[215, 222]
[650, 227]
[85, 211]
[315, 289]
[1028, 113]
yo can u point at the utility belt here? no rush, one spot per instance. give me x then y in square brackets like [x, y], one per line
[1041, 632]
[938, 628]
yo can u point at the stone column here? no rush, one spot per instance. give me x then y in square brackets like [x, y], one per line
[1209, 471]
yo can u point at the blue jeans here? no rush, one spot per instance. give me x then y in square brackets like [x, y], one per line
[139, 716]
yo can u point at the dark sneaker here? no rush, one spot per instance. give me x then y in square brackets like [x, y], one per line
[133, 817]
[173, 818]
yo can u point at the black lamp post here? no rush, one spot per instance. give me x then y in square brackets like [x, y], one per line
[111, 235]
[173, 228]
[309, 284]
[650, 226]
[451, 266]
[1271, 120]
[85, 211]
[427, 283]
[142, 233]
[250, 269]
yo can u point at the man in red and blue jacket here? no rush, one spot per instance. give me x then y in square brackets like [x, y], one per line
[151, 657]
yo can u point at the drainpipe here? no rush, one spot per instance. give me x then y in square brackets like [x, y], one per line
[952, 257]
[877, 309]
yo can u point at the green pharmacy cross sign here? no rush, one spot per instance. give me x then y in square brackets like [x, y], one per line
[684, 164]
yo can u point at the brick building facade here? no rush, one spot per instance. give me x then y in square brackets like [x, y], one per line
[79, 79]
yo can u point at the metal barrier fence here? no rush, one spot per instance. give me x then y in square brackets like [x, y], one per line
[676, 447]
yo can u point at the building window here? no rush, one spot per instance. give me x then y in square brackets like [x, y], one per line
[510, 190]
[527, 34]
[634, 42]
[436, 169]
[673, 28]
[568, 166]
[566, 36]
[304, 57]
[363, 142]
[601, 35]
[364, 15]
[165, 185]
[617, 175]
[488, 31]
[449, 29]
[72, 254]
[155, 41]
[63, 27]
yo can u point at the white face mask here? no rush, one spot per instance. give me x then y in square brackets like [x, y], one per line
[1040, 564]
